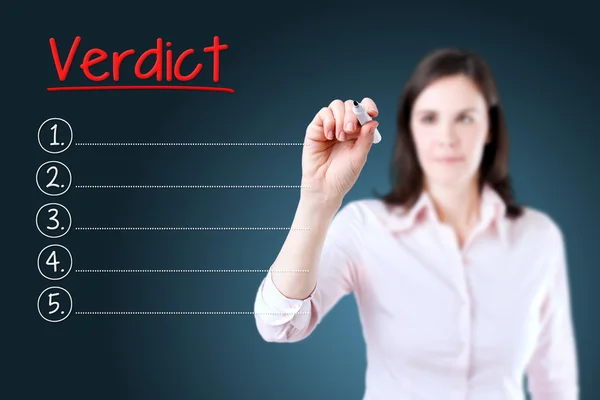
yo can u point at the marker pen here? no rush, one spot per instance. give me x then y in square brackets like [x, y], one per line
[363, 118]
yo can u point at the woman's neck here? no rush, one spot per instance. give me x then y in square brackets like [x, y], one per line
[457, 206]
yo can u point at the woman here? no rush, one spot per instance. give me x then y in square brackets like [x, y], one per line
[461, 291]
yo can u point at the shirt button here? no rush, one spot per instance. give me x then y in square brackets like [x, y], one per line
[465, 260]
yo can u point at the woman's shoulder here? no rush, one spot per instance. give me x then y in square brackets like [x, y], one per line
[364, 211]
[538, 224]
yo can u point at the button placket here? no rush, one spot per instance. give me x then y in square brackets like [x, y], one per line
[466, 321]
[465, 260]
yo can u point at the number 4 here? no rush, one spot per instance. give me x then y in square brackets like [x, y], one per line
[52, 260]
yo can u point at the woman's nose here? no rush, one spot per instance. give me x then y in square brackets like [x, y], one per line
[447, 136]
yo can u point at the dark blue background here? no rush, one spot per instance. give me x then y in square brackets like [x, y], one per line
[284, 62]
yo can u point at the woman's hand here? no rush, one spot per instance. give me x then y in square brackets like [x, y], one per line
[335, 150]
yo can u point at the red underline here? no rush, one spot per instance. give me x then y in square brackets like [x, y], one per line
[159, 87]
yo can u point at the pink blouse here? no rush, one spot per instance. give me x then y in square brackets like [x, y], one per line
[441, 322]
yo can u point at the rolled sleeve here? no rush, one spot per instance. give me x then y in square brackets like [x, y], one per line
[279, 309]
[282, 319]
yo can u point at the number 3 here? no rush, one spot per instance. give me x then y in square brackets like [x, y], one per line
[53, 218]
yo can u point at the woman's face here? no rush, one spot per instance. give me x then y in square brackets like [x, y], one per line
[450, 128]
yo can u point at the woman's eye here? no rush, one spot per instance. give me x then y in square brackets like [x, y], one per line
[466, 119]
[428, 119]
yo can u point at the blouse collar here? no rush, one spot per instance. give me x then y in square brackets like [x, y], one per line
[492, 210]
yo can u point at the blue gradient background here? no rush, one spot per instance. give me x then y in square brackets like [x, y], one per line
[284, 62]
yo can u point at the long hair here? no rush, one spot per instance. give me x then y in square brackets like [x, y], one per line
[407, 174]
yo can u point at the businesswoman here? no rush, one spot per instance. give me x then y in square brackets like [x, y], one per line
[461, 291]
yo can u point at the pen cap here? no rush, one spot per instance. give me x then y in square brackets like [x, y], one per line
[363, 117]
[361, 114]
[358, 108]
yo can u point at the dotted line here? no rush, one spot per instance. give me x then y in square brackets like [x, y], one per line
[188, 270]
[186, 313]
[191, 144]
[190, 187]
[140, 228]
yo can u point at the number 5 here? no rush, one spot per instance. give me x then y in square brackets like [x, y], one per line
[51, 303]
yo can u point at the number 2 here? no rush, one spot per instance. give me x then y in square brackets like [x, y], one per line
[51, 183]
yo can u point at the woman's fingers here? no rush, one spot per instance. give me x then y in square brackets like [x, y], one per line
[338, 110]
[338, 121]
[370, 106]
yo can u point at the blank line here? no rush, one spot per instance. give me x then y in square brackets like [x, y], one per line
[185, 228]
[190, 144]
[190, 187]
[188, 313]
[216, 271]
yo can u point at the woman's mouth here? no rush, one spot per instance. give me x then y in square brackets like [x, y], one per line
[449, 160]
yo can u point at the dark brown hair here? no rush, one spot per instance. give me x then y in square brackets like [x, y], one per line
[407, 175]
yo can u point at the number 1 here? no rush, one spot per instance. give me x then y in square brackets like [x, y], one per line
[54, 129]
